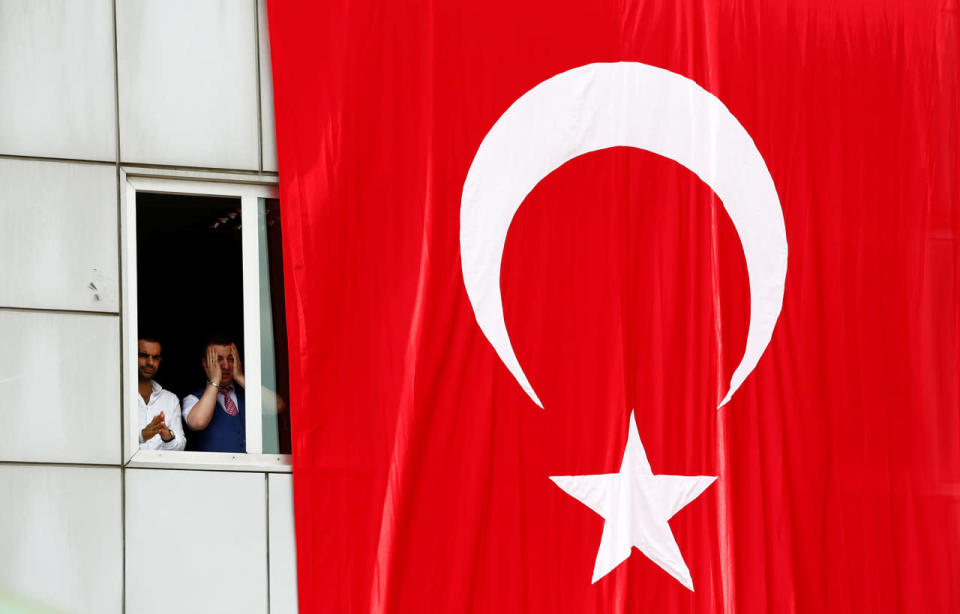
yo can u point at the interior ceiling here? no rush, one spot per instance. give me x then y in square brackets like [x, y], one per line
[176, 213]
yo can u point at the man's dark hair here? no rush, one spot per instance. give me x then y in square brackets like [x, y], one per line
[217, 338]
[148, 337]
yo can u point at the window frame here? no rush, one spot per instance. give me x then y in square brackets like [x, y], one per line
[248, 188]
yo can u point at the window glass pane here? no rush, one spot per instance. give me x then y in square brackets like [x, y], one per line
[273, 331]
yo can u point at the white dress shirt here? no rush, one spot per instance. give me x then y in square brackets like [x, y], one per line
[161, 401]
[191, 399]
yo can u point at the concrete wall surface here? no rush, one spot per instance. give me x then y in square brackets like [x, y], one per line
[88, 90]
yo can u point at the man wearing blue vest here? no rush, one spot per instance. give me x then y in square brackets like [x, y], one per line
[216, 414]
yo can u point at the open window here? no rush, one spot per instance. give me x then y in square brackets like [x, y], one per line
[201, 260]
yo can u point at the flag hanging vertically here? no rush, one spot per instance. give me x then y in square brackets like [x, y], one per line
[623, 306]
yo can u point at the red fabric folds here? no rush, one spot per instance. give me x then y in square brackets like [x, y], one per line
[421, 467]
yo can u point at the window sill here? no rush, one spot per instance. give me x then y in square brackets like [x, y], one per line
[211, 461]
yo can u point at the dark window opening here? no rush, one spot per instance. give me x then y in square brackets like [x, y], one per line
[189, 280]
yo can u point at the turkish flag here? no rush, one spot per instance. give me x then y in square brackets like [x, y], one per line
[622, 306]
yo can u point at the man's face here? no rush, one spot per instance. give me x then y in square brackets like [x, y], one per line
[148, 359]
[225, 360]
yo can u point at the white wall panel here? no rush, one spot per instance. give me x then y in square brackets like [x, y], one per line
[283, 547]
[188, 82]
[268, 128]
[61, 537]
[56, 79]
[59, 387]
[58, 235]
[200, 536]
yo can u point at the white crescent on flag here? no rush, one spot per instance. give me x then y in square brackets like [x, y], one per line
[603, 105]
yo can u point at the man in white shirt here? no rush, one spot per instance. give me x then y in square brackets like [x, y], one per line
[159, 409]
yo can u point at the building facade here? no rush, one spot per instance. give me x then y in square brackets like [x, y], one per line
[99, 99]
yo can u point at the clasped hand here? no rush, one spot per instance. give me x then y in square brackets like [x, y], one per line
[157, 425]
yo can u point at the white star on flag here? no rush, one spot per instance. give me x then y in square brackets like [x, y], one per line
[636, 505]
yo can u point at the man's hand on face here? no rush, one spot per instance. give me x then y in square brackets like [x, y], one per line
[153, 427]
[212, 367]
[237, 367]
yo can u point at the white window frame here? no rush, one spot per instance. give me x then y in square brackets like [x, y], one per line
[248, 188]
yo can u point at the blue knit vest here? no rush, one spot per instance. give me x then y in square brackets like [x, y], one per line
[225, 433]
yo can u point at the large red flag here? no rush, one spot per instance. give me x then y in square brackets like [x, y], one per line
[623, 306]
